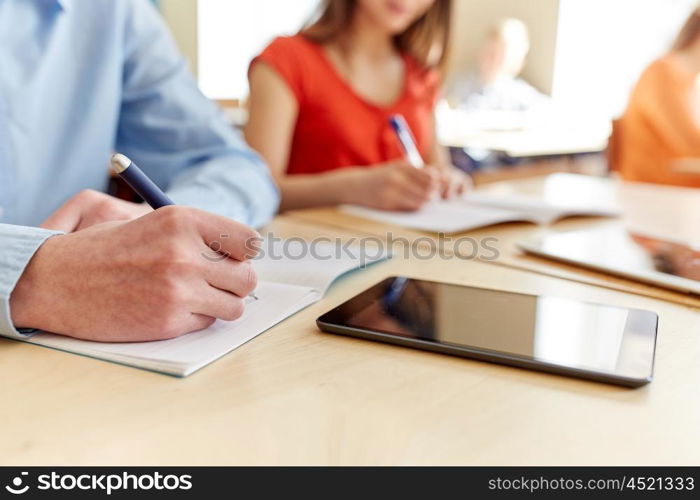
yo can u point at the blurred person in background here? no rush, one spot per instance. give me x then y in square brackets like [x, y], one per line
[492, 96]
[320, 103]
[658, 137]
[495, 84]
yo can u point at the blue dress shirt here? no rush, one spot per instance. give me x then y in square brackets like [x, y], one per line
[80, 79]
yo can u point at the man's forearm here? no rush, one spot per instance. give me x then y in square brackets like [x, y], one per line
[18, 244]
[237, 186]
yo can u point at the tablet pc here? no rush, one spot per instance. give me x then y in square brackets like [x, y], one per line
[558, 335]
[624, 252]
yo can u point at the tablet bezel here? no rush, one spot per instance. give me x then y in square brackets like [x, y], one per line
[638, 342]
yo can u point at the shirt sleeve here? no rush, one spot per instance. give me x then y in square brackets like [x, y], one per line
[178, 136]
[284, 56]
[19, 244]
[670, 102]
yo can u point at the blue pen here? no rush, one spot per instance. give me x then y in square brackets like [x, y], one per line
[139, 182]
[408, 143]
[142, 185]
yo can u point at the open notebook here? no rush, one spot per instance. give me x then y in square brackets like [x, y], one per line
[476, 210]
[286, 285]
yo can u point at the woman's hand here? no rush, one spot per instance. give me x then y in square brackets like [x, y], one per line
[454, 182]
[391, 186]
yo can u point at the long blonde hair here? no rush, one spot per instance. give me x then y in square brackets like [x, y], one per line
[689, 32]
[426, 40]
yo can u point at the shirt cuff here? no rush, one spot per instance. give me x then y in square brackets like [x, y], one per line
[19, 244]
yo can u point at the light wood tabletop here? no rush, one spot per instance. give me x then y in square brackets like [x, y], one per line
[295, 395]
[666, 211]
[521, 134]
[533, 143]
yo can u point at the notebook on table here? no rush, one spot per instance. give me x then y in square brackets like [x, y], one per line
[287, 284]
[477, 210]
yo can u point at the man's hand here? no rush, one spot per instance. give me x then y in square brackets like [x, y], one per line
[88, 208]
[165, 274]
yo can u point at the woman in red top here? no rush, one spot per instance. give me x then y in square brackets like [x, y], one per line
[320, 104]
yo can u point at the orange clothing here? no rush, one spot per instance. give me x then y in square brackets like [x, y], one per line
[661, 124]
[335, 126]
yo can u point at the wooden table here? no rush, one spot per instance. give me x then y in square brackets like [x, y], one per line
[521, 134]
[297, 396]
[532, 143]
[663, 210]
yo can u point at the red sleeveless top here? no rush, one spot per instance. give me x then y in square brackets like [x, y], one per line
[335, 126]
